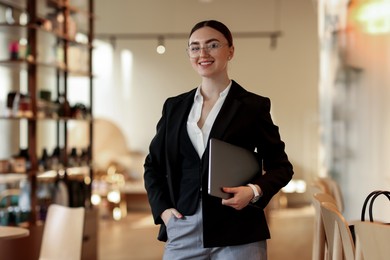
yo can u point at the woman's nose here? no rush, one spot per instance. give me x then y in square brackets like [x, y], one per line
[203, 52]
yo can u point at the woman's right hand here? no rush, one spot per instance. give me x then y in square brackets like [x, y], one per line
[168, 213]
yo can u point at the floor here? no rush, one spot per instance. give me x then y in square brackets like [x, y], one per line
[134, 237]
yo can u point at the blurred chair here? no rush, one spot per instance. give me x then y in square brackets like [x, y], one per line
[335, 190]
[318, 186]
[330, 186]
[372, 241]
[63, 233]
[338, 235]
[319, 238]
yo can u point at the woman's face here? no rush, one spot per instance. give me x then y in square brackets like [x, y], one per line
[209, 52]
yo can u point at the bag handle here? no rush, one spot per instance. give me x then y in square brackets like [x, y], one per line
[366, 202]
[386, 193]
[373, 195]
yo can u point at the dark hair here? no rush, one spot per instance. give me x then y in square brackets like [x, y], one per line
[216, 25]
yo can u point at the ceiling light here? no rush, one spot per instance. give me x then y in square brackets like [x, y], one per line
[160, 45]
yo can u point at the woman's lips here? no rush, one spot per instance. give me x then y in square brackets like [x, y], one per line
[205, 63]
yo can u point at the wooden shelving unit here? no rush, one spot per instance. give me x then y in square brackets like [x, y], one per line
[57, 23]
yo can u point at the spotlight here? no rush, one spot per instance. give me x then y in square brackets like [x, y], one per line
[160, 45]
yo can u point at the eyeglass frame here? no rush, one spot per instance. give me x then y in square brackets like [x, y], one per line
[208, 48]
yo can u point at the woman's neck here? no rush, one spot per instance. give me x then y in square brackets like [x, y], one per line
[211, 88]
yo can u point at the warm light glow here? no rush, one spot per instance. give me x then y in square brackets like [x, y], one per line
[375, 17]
[23, 41]
[295, 186]
[160, 45]
[116, 213]
[103, 57]
[23, 18]
[96, 199]
[114, 196]
[127, 61]
[87, 180]
[300, 186]
[80, 37]
[160, 49]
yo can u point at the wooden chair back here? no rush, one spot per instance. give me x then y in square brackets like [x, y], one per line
[319, 251]
[63, 233]
[338, 235]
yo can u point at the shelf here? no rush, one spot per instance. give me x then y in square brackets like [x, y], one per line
[71, 172]
[56, 4]
[8, 28]
[21, 6]
[15, 26]
[8, 178]
[45, 118]
[53, 63]
[13, 31]
[72, 8]
[23, 64]
[16, 4]
[15, 118]
[65, 119]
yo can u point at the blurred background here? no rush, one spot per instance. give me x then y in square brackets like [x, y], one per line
[323, 63]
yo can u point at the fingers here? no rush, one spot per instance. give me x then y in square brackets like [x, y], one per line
[241, 197]
[230, 190]
[234, 203]
[176, 213]
[168, 213]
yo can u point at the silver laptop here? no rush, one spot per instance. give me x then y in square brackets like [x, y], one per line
[229, 166]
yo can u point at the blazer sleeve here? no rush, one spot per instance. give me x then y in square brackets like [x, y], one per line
[155, 173]
[277, 169]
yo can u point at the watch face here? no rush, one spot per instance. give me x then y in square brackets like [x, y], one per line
[255, 199]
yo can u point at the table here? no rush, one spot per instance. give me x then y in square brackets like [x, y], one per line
[7, 232]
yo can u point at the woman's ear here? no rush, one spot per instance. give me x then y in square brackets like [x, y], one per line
[231, 52]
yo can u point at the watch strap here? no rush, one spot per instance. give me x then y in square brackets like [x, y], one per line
[255, 192]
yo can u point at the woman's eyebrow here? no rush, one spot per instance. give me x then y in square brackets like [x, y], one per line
[208, 41]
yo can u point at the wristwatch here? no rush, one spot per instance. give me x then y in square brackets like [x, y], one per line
[257, 196]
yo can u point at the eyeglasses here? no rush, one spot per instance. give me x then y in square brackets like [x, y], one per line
[195, 50]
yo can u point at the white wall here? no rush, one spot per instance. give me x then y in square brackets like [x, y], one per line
[288, 75]
[355, 97]
[369, 122]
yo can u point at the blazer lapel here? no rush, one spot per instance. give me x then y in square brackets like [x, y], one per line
[227, 112]
[178, 118]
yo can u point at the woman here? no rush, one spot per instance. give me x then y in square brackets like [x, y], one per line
[194, 224]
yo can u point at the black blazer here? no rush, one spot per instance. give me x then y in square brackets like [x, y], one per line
[243, 120]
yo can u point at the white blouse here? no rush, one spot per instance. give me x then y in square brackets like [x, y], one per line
[199, 137]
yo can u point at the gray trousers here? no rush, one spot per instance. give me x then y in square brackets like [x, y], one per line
[185, 242]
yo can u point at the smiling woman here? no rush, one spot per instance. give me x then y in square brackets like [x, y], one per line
[210, 49]
[284, 74]
[177, 164]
